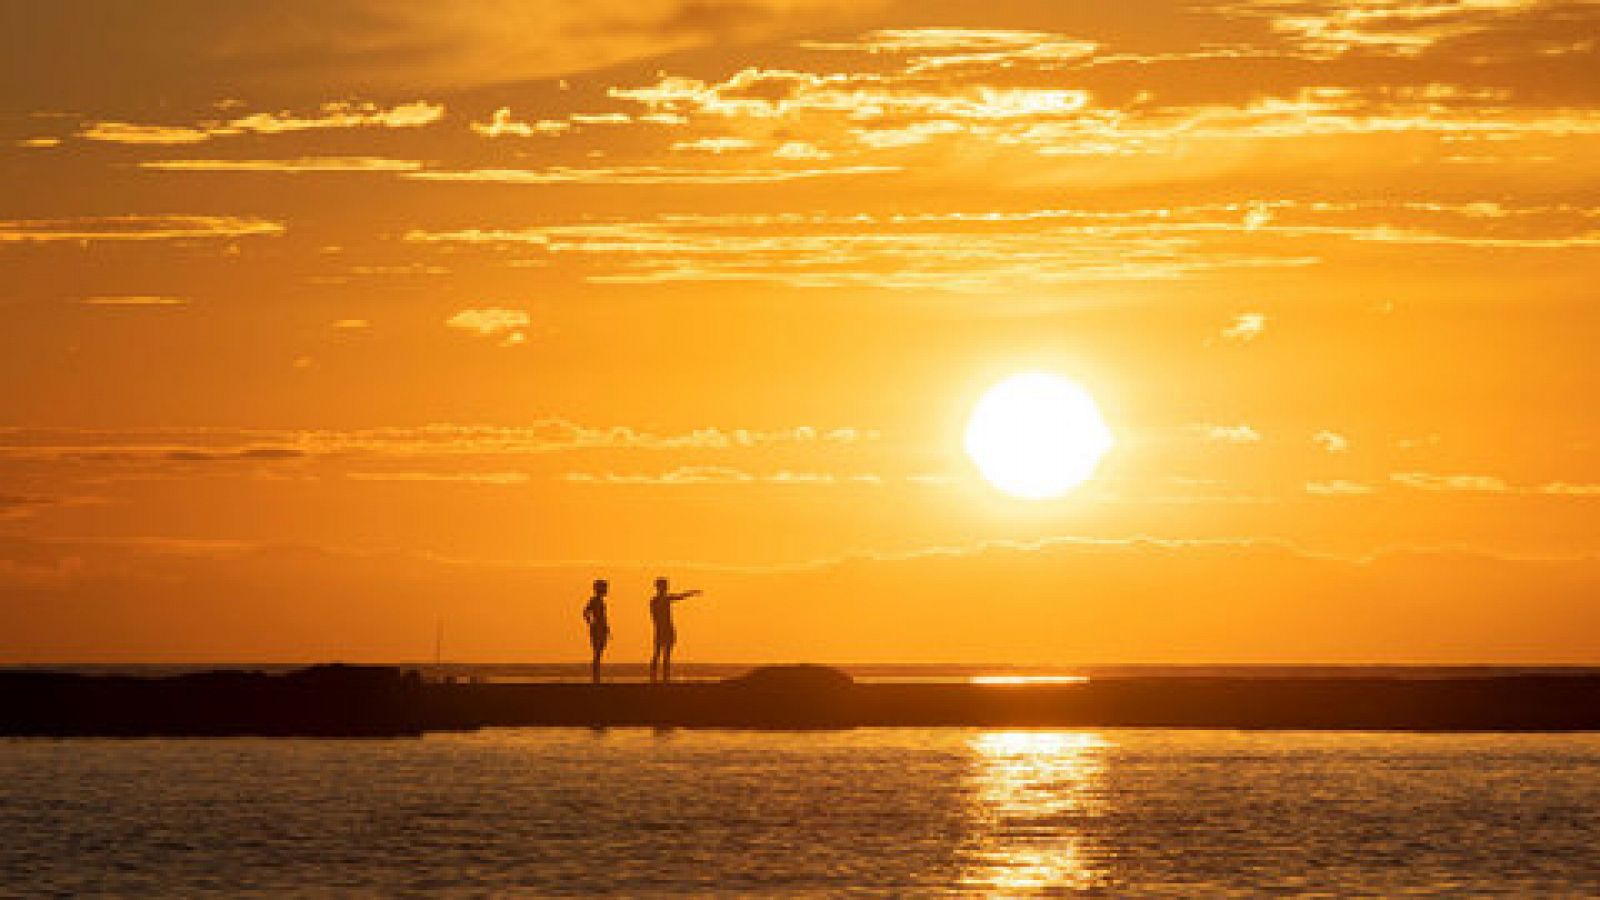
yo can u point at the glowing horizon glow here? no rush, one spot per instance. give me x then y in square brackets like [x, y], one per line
[1037, 435]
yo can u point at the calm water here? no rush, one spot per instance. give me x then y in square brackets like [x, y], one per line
[954, 811]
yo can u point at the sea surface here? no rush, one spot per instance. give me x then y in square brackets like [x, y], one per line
[891, 812]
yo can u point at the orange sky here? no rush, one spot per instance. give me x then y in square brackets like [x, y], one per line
[323, 320]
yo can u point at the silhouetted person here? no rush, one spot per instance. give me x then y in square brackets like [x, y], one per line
[666, 634]
[599, 629]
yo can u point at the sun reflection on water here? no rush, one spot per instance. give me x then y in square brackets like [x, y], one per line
[1033, 792]
[1023, 680]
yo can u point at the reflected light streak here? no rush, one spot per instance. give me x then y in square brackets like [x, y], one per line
[1029, 679]
[1033, 792]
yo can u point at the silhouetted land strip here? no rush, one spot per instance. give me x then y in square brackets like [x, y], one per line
[328, 701]
[337, 701]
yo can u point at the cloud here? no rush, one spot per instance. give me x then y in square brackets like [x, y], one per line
[435, 441]
[130, 133]
[1442, 112]
[969, 253]
[1338, 487]
[1229, 434]
[510, 325]
[135, 228]
[487, 478]
[292, 166]
[600, 118]
[1245, 328]
[985, 90]
[344, 115]
[800, 150]
[247, 454]
[351, 324]
[381, 45]
[1331, 441]
[643, 174]
[134, 300]
[1005, 43]
[715, 145]
[1406, 28]
[502, 124]
[328, 115]
[407, 269]
[1490, 484]
[760, 93]
[699, 475]
[18, 506]
[1569, 489]
[985, 251]
[1473, 484]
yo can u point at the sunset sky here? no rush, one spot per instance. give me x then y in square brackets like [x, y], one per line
[321, 321]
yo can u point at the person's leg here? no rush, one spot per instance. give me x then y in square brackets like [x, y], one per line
[666, 661]
[655, 660]
[594, 668]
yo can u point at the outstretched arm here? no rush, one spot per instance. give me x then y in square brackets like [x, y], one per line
[685, 595]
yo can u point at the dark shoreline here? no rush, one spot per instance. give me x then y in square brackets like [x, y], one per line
[379, 701]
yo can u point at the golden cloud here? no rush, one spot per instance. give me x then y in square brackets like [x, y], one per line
[290, 166]
[134, 300]
[648, 174]
[135, 228]
[983, 251]
[328, 115]
[510, 325]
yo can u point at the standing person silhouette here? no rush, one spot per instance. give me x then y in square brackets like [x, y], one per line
[666, 633]
[599, 629]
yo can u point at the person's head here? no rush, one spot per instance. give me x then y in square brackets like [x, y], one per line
[661, 585]
[600, 587]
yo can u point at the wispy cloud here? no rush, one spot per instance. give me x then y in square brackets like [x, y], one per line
[1570, 489]
[436, 441]
[1490, 484]
[1472, 484]
[133, 133]
[1338, 487]
[135, 228]
[1229, 434]
[328, 115]
[134, 300]
[1389, 27]
[291, 166]
[715, 145]
[962, 87]
[1245, 327]
[643, 174]
[411, 46]
[982, 251]
[27, 506]
[699, 475]
[488, 478]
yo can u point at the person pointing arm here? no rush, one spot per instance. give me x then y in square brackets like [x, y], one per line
[666, 631]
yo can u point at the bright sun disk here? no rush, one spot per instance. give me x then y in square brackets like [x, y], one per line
[1036, 435]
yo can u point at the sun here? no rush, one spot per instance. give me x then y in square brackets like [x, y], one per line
[1037, 435]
